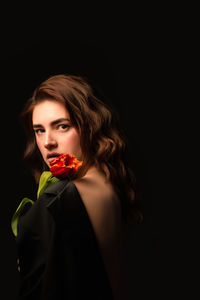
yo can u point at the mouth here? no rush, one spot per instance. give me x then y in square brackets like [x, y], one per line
[52, 156]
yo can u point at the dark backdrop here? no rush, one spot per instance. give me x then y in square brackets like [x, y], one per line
[126, 66]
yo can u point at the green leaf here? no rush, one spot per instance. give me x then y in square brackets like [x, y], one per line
[17, 213]
[46, 180]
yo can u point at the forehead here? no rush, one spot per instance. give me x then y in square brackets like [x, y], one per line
[48, 110]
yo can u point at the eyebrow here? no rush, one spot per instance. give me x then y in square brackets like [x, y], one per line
[52, 123]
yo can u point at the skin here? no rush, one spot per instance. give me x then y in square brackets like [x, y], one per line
[53, 130]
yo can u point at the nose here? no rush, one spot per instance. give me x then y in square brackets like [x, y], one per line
[50, 142]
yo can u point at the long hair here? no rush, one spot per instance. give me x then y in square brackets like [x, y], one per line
[102, 142]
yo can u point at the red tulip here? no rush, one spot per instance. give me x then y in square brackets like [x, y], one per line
[65, 165]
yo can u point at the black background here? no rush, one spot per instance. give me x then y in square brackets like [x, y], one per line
[127, 56]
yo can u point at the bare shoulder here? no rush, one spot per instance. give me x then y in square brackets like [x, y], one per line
[103, 208]
[94, 189]
[102, 204]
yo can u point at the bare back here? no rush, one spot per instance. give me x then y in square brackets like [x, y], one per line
[103, 208]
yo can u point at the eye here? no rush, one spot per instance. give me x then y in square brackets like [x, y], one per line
[63, 127]
[39, 131]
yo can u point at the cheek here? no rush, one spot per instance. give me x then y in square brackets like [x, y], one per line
[72, 143]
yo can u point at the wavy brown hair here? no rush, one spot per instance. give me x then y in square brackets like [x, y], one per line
[101, 139]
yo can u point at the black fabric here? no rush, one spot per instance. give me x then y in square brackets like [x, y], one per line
[58, 251]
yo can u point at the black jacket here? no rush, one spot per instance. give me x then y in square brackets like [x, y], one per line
[57, 248]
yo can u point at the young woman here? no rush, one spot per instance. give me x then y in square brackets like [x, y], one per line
[70, 241]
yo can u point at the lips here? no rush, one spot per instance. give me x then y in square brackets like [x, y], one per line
[52, 156]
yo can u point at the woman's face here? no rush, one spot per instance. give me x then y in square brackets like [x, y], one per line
[54, 132]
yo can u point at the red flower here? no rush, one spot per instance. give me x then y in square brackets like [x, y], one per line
[65, 165]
